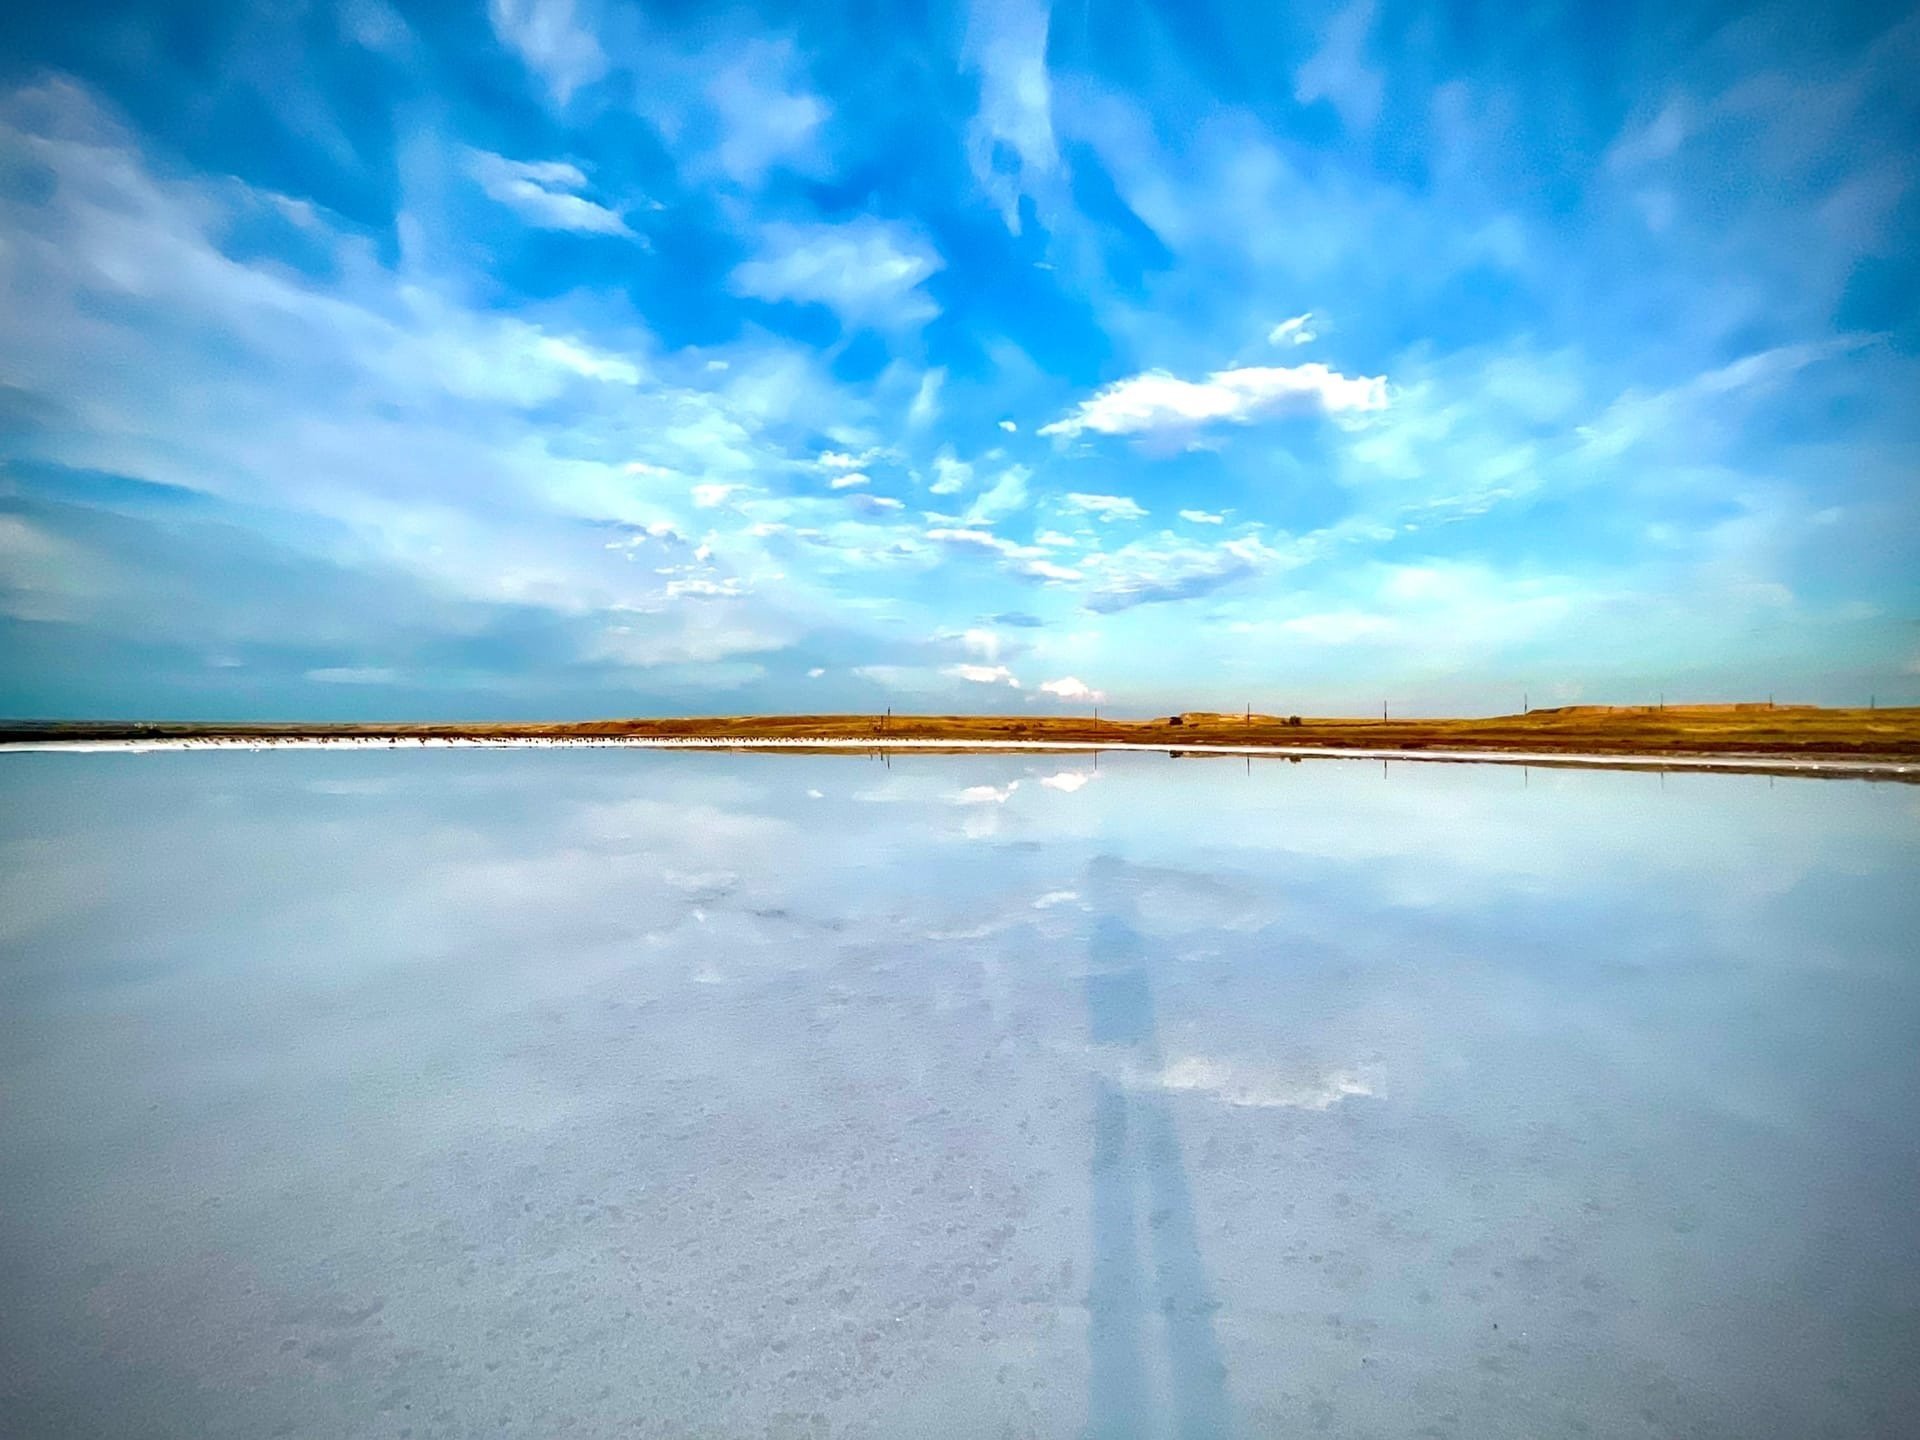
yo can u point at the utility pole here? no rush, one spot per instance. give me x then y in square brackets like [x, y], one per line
[1249, 714]
[1526, 703]
[1383, 712]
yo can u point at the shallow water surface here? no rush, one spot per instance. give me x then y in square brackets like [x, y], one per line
[589, 1092]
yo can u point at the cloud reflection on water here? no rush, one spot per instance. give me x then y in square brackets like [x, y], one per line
[591, 1064]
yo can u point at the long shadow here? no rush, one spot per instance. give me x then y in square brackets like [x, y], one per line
[1136, 1147]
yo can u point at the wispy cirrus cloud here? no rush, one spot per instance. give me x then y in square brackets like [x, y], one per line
[553, 40]
[420, 344]
[1155, 573]
[544, 193]
[1010, 139]
[1297, 330]
[1030, 562]
[1105, 507]
[868, 272]
[767, 115]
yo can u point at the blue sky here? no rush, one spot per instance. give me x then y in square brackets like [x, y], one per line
[555, 358]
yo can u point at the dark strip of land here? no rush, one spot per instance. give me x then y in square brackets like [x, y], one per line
[1760, 731]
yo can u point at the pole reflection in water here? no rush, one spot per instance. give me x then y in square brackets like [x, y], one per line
[1137, 1158]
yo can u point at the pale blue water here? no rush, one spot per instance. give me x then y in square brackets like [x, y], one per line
[585, 1093]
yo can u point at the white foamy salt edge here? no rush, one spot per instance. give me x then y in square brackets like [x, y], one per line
[1749, 763]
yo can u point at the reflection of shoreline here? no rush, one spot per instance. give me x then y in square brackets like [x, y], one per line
[1900, 770]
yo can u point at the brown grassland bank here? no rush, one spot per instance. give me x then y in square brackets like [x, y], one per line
[1760, 730]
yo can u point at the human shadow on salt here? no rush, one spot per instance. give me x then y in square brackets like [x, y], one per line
[1151, 1287]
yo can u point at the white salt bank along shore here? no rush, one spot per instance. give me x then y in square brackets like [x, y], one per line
[1770, 764]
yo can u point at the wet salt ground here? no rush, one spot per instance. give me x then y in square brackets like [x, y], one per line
[587, 1092]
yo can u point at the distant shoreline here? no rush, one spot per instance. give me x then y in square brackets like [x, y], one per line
[1873, 744]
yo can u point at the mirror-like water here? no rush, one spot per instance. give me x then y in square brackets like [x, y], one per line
[586, 1092]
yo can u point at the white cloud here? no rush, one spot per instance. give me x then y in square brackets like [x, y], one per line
[767, 117]
[848, 482]
[553, 42]
[925, 408]
[1028, 561]
[1292, 332]
[1009, 493]
[727, 589]
[983, 643]
[1202, 517]
[1006, 45]
[950, 476]
[709, 496]
[1055, 897]
[1008, 426]
[982, 674]
[584, 360]
[876, 502]
[1159, 570]
[841, 460]
[985, 794]
[1069, 688]
[972, 539]
[1158, 401]
[1338, 70]
[1107, 507]
[540, 192]
[446, 484]
[1068, 781]
[816, 672]
[1706, 406]
[868, 272]
[1047, 570]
